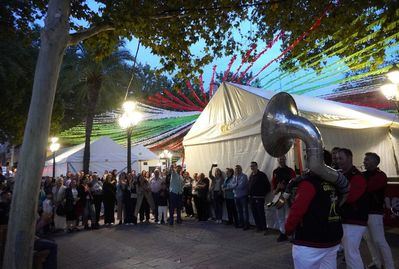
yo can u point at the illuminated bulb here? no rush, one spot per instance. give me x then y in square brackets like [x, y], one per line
[390, 91]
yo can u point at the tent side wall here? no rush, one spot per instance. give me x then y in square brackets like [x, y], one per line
[360, 141]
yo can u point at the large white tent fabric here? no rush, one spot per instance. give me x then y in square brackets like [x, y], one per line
[228, 130]
[105, 154]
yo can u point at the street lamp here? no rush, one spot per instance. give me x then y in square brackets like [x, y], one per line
[391, 90]
[54, 146]
[166, 155]
[128, 120]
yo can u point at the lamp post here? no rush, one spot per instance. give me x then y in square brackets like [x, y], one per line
[166, 155]
[54, 146]
[391, 90]
[128, 120]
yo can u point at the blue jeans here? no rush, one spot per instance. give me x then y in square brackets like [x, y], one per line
[175, 202]
[242, 210]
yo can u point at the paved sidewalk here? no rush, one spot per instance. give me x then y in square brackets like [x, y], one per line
[188, 245]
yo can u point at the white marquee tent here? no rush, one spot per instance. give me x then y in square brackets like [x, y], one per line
[228, 130]
[105, 154]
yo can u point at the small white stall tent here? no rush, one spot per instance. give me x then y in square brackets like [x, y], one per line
[105, 154]
[228, 131]
[145, 159]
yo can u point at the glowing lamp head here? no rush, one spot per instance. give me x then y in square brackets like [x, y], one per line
[54, 139]
[393, 75]
[390, 91]
[54, 147]
[129, 106]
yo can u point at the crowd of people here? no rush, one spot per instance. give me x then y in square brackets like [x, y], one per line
[319, 225]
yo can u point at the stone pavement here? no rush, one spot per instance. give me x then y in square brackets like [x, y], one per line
[189, 245]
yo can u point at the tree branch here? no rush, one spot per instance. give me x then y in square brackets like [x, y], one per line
[75, 38]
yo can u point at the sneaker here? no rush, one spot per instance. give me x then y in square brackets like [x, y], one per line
[159, 222]
[282, 237]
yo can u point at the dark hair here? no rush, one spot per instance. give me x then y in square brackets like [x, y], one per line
[255, 163]
[335, 149]
[346, 151]
[327, 157]
[374, 156]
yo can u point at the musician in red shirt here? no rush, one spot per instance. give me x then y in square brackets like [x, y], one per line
[376, 183]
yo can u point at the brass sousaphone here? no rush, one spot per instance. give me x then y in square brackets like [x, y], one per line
[281, 124]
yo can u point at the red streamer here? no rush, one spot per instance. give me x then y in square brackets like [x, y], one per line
[212, 81]
[226, 74]
[187, 100]
[315, 25]
[202, 104]
[201, 82]
[244, 60]
[269, 46]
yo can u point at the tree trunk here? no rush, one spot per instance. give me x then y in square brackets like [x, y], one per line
[21, 225]
[92, 98]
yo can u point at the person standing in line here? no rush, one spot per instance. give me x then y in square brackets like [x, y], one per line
[71, 199]
[120, 189]
[109, 193]
[241, 197]
[315, 222]
[175, 193]
[354, 211]
[281, 177]
[202, 187]
[163, 203]
[155, 184]
[259, 187]
[187, 194]
[229, 198]
[195, 193]
[144, 198]
[216, 192]
[59, 203]
[377, 182]
[129, 201]
[97, 190]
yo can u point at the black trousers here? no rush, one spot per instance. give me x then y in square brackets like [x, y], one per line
[130, 205]
[188, 205]
[109, 211]
[232, 212]
[202, 208]
[144, 210]
[258, 211]
[97, 200]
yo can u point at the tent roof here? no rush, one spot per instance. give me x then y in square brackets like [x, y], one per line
[237, 110]
[102, 149]
[142, 153]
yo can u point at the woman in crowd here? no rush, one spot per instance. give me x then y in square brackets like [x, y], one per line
[144, 197]
[187, 194]
[120, 188]
[195, 192]
[109, 193]
[59, 204]
[88, 204]
[129, 200]
[216, 192]
[229, 198]
[202, 188]
[97, 191]
[71, 199]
